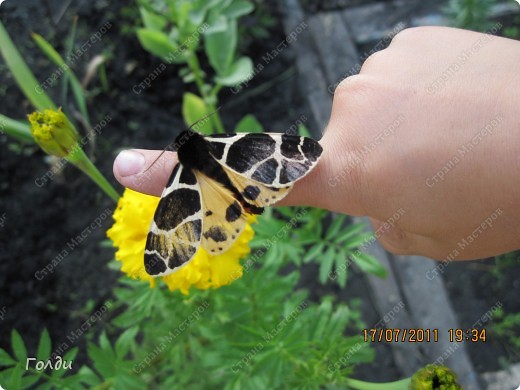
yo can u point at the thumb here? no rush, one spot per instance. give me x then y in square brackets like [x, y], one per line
[145, 171]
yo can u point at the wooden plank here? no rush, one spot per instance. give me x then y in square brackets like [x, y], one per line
[430, 308]
[392, 307]
[311, 77]
[334, 46]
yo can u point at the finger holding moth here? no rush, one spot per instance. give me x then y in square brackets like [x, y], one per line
[143, 170]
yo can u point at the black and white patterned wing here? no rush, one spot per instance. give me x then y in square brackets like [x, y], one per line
[175, 232]
[264, 166]
[224, 217]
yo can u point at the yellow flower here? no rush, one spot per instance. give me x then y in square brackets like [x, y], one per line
[133, 216]
[53, 132]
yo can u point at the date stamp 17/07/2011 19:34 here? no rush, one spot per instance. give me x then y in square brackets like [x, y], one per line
[419, 335]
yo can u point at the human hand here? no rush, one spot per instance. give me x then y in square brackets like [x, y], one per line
[425, 139]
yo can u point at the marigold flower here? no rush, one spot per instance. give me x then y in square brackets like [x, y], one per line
[432, 376]
[132, 218]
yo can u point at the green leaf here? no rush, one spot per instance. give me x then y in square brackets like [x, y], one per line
[338, 321]
[151, 20]
[369, 264]
[103, 362]
[44, 346]
[220, 48]
[88, 377]
[197, 15]
[125, 380]
[249, 124]
[194, 109]
[158, 43]
[77, 88]
[322, 318]
[341, 269]
[29, 380]
[125, 341]
[335, 226]
[362, 239]
[6, 359]
[239, 72]
[69, 356]
[216, 24]
[326, 265]
[22, 74]
[349, 231]
[238, 9]
[313, 252]
[104, 343]
[16, 377]
[128, 318]
[18, 347]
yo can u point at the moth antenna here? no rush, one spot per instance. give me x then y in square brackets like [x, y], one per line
[203, 118]
[172, 144]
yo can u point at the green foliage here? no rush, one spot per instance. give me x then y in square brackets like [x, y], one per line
[76, 86]
[22, 74]
[176, 30]
[299, 236]
[504, 263]
[20, 371]
[507, 326]
[259, 331]
[512, 30]
[258, 24]
[470, 14]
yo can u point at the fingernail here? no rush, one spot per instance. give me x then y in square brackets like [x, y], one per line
[129, 163]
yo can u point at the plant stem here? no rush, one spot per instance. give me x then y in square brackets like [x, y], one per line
[16, 129]
[80, 160]
[362, 385]
[194, 65]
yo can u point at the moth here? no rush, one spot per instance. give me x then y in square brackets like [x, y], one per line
[219, 180]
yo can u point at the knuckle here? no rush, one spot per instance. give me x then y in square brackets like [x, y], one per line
[374, 59]
[358, 85]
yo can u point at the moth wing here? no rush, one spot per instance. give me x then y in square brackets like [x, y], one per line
[224, 217]
[254, 192]
[176, 228]
[264, 166]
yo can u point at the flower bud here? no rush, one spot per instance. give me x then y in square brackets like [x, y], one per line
[53, 132]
